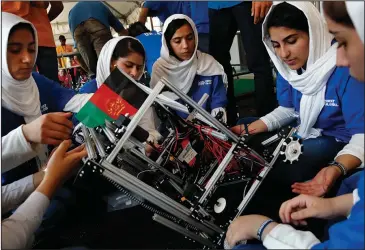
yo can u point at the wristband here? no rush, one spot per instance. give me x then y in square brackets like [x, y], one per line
[262, 228]
[340, 166]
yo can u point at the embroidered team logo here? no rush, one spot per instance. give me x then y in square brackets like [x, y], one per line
[204, 82]
[44, 108]
[331, 103]
[115, 107]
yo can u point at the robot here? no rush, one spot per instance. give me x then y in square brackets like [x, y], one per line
[200, 178]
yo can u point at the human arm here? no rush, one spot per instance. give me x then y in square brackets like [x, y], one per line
[259, 10]
[302, 207]
[55, 10]
[17, 230]
[218, 98]
[15, 193]
[352, 155]
[143, 15]
[274, 235]
[116, 24]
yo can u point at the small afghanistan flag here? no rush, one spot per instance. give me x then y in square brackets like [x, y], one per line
[118, 95]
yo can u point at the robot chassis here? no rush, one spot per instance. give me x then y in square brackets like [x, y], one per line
[196, 209]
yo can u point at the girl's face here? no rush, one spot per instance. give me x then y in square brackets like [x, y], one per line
[350, 52]
[183, 42]
[21, 54]
[131, 65]
[292, 46]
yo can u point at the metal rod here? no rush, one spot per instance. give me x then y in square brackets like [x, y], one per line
[272, 139]
[140, 188]
[89, 147]
[109, 134]
[177, 187]
[182, 230]
[165, 101]
[215, 134]
[203, 112]
[157, 166]
[98, 144]
[218, 173]
[136, 119]
[201, 102]
[262, 176]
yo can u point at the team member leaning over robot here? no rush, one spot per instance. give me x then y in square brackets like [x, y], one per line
[127, 54]
[314, 93]
[28, 100]
[346, 22]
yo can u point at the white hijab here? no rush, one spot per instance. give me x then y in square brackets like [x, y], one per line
[103, 66]
[320, 65]
[20, 97]
[182, 73]
[356, 12]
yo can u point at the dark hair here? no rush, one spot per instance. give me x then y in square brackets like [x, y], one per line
[22, 26]
[126, 46]
[289, 16]
[137, 28]
[337, 12]
[62, 37]
[170, 31]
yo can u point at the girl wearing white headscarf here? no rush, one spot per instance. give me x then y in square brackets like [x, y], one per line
[26, 97]
[348, 233]
[193, 72]
[128, 54]
[346, 21]
[323, 99]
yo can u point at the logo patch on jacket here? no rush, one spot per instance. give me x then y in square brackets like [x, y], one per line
[204, 82]
[331, 103]
[44, 108]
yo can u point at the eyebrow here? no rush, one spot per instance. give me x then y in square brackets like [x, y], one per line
[286, 38]
[19, 44]
[333, 32]
[135, 63]
[179, 37]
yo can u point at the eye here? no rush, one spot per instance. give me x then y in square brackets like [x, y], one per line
[292, 41]
[177, 41]
[191, 37]
[275, 45]
[341, 44]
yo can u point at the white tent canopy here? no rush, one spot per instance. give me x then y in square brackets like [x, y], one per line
[126, 11]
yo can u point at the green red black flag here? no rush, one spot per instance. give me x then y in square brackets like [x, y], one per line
[118, 95]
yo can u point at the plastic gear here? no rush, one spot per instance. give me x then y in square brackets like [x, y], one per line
[292, 149]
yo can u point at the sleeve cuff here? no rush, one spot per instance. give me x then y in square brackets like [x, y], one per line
[286, 237]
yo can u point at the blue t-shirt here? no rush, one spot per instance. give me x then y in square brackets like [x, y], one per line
[164, 9]
[53, 98]
[348, 234]
[217, 5]
[200, 16]
[343, 113]
[211, 85]
[197, 11]
[152, 45]
[89, 87]
[85, 10]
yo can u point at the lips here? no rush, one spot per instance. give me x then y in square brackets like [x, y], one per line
[290, 62]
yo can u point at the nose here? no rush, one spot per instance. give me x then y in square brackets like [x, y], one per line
[133, 72]
[341, 58]
[26, 57]
[284, 52]
[184, 44]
